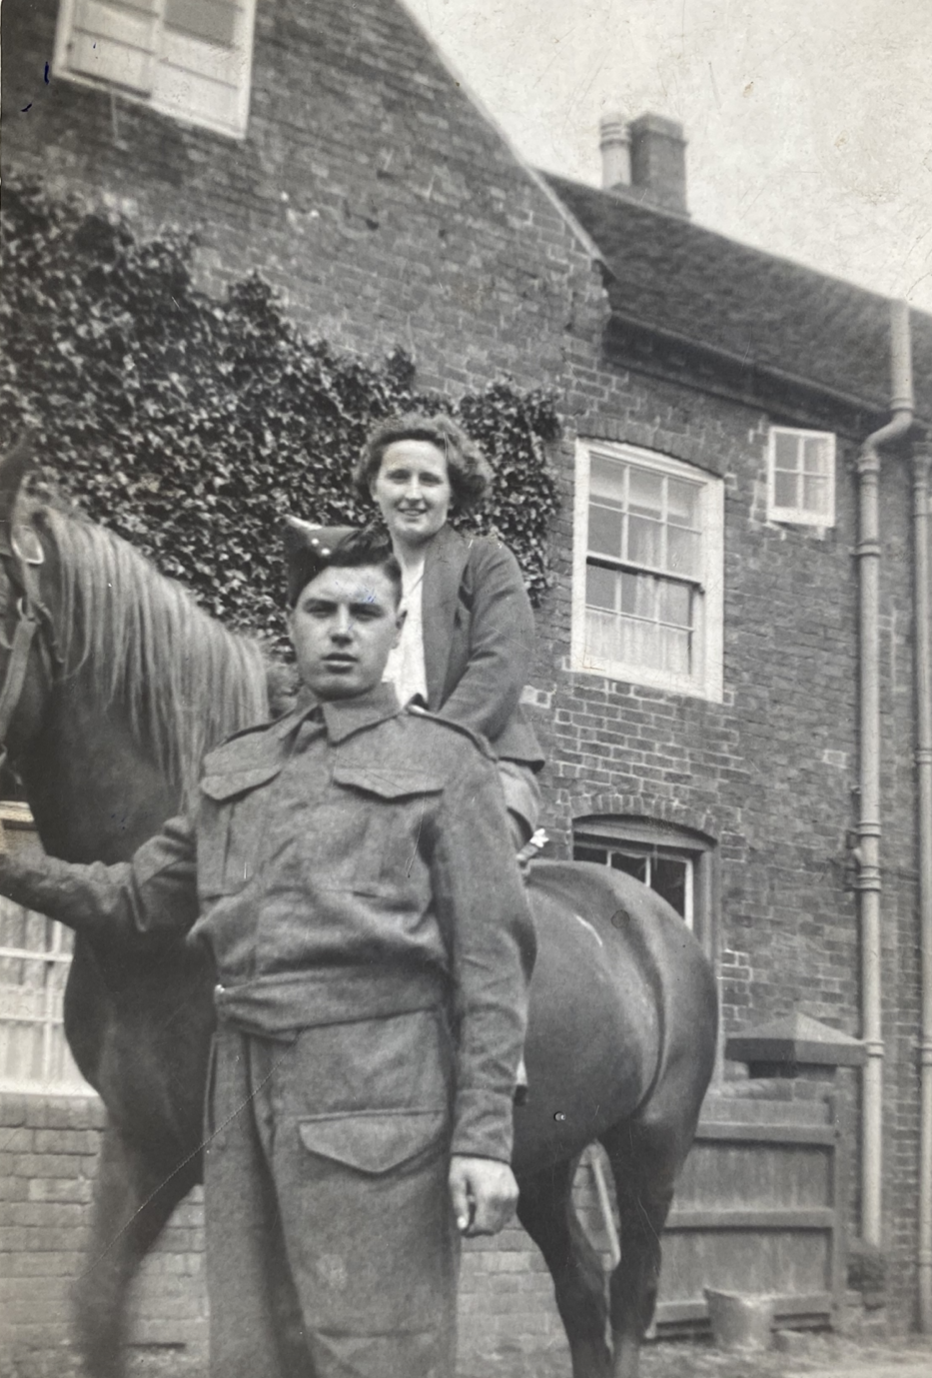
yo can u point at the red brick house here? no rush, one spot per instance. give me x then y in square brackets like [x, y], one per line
[698, 671]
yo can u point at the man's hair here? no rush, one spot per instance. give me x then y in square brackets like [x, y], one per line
[468, 469]
[362, 550]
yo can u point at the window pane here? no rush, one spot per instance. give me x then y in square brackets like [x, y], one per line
[676, 650]
[583, 853]
[601, 587]
[683, 552]
[631, 865]
[682, 503]
[645, 542]
[815, 494]
[213, 21]
[641, 643]
[607, 480]
[815, 455]
[603, 639]
[669, 878]
[785, 490]
[645, 493]
[675, 603]
[786, 451]
[637, 594]
[604, 531]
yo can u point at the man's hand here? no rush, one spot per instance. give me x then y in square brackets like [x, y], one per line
[484, 1194]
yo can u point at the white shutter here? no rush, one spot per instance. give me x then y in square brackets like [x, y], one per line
[113, 43]
[190, 59]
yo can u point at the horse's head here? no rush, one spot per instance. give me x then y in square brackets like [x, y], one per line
[28, 650]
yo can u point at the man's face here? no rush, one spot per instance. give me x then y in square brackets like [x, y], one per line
[342, 627]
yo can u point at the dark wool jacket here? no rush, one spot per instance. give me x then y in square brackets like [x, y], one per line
[348, 862]
[479, 641]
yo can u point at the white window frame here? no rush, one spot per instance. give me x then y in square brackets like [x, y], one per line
[706, 679]
[34, 1004]
[178, 74]
[800, 516]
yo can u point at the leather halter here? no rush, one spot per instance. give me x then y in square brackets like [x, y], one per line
[20, 567]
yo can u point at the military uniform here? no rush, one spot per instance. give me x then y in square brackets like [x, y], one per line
[350, 870]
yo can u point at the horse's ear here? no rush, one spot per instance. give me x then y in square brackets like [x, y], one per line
[14, 466]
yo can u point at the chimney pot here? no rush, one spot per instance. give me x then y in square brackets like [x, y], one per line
[615, 147]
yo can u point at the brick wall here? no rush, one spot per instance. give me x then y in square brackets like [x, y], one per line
[48, 1164]
[387, 211]
[368, 190]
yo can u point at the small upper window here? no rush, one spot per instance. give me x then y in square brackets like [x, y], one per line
[187, 58]
[647, 578]
[801, 477]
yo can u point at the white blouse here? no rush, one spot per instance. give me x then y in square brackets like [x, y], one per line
[405, 668]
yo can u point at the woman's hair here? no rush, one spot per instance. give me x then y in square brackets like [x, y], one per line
[468, 469]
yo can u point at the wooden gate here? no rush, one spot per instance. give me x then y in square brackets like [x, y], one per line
[759, 1209]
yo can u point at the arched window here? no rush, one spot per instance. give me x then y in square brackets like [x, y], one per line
[678, 863]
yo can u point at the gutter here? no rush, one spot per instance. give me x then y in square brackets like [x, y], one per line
[869, 821]
[719, 354]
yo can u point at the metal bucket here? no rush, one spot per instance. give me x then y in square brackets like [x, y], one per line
[740, 1323]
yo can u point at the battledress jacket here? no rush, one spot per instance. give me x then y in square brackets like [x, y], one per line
[347, 862]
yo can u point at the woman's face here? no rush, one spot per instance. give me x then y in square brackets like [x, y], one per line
[412, 488]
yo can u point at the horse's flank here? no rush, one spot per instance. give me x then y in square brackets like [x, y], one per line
[140, 641]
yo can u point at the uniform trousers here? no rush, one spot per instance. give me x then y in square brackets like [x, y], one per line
[331, 1246]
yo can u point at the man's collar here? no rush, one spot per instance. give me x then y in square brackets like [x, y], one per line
[346, 716]
[342, 717]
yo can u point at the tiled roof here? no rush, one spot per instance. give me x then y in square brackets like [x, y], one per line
[672, 274]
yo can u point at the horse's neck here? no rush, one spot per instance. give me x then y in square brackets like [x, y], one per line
[94, 793]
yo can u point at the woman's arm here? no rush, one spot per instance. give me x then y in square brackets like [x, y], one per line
[501, 642]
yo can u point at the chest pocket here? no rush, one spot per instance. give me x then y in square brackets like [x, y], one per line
[393, 805]
[230, 828]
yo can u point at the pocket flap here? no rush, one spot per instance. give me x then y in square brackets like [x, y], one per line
[228, 783]
[393, 783]
[372, 1141]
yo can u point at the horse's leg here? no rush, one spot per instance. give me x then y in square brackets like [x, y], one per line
[645, 1161]
[132, 1201]
[545, 1209]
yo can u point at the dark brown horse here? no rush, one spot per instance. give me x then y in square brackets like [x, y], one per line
[106, 712]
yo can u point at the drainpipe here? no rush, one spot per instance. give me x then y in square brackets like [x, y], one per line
[868, 882]
[921, 461]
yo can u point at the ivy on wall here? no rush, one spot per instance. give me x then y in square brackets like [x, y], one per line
[190, 425]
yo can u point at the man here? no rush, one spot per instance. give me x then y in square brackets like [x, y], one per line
[350, 871]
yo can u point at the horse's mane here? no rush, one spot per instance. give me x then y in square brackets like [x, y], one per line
[140, 641]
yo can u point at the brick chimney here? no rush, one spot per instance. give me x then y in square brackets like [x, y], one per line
[645, 160]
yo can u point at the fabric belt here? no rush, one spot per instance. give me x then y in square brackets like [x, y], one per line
[277, 1006]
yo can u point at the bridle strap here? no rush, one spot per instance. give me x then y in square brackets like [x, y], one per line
[26, 627]
[32, 612]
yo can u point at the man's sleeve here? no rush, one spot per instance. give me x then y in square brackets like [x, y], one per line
[147, 899]
[482, 906]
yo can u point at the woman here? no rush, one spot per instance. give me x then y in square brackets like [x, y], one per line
[468, 638]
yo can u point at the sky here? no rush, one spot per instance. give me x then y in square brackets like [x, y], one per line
[809, 122]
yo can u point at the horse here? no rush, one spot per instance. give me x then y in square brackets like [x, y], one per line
[113, 686]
